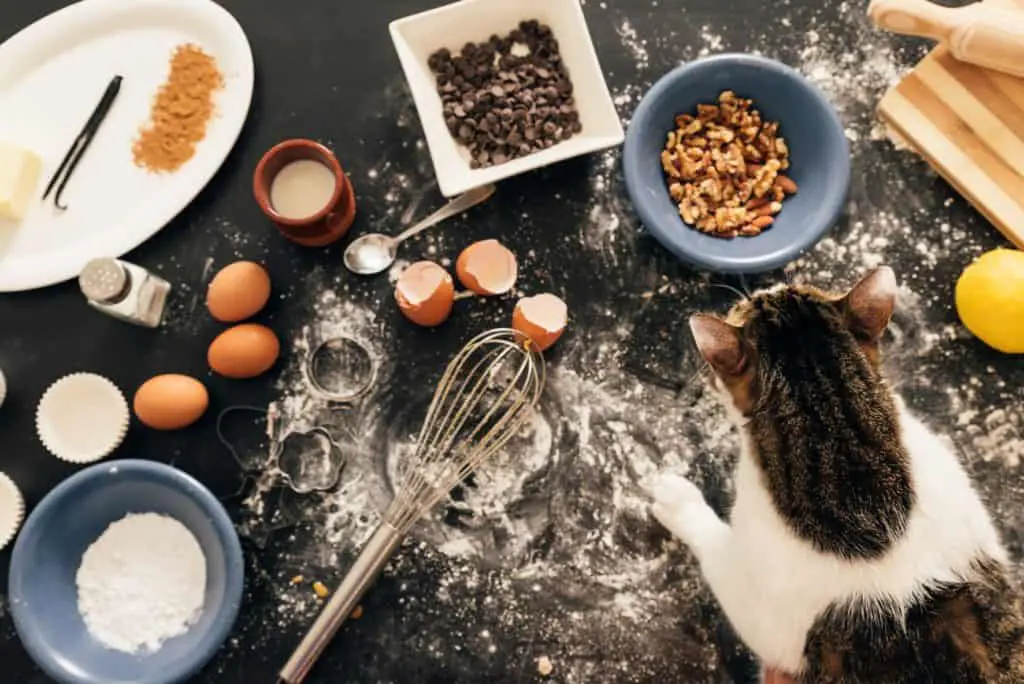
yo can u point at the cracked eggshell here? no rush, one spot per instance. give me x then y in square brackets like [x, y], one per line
[541, 318]
[425, 293]
[487, 268]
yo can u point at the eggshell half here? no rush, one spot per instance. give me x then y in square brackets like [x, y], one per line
[244, 351]
[238, 291]
[425, 293]
[541, 318]
[487, 268]
[170, 402]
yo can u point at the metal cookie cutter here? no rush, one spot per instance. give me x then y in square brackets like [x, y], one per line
[309, 460]
[340, 369]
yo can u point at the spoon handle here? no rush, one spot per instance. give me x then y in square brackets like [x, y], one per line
[458, 205]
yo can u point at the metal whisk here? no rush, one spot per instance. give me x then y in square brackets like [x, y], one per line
[485, 396]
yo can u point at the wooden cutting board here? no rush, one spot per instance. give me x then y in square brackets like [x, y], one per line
[968, 123]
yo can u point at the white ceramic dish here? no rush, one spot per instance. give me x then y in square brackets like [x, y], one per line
[452, 26]
[52, 74]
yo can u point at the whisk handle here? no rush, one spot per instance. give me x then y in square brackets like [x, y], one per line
[364, 571]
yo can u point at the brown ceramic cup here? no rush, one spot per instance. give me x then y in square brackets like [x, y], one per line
[327, 225]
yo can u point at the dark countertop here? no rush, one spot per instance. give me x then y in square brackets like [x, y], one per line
[559, 558]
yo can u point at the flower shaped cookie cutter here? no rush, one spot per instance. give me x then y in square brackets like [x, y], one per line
[309, 460]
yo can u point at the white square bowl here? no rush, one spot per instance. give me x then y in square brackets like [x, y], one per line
[418, 36]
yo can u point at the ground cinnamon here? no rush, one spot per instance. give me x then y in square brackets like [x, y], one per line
[180, 113]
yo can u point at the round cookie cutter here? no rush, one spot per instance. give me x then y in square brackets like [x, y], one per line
[342, 357]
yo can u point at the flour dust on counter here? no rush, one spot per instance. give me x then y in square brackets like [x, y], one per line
[549, 550]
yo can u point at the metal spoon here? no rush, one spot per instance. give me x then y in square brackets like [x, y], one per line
[374, 253]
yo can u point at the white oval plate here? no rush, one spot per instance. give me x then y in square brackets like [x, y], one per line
[52, 75]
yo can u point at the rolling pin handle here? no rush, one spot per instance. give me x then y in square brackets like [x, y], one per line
[913, 18]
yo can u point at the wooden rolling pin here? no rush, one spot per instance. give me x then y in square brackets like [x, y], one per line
[982, 34]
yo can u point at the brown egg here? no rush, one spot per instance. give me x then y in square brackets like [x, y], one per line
[170, 402]
[238, 291]
[487, 268]
[425, 293]
[541, 318]
[244, 351]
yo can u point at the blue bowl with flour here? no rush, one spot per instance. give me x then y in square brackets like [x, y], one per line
[819, 158]
[49, 550]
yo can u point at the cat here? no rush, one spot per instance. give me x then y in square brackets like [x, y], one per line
[857, 549]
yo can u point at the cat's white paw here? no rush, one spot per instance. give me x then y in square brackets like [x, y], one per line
[678, 505]
[674, 491]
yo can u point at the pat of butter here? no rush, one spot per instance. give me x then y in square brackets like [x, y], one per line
[19, 174]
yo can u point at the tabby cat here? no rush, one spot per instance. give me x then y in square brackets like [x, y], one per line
[857, 549]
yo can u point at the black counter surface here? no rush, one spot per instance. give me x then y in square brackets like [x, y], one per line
[557, 557]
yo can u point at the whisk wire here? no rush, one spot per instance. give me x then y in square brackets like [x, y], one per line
[475, 410]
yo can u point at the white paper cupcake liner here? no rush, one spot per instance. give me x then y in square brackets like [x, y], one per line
[82, 418]
[12, 510]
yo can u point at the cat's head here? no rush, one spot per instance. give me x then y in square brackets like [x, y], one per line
[796, 331]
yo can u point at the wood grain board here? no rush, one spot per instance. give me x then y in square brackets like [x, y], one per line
[968, 123]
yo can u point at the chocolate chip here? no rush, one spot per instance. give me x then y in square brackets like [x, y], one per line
[500, 106]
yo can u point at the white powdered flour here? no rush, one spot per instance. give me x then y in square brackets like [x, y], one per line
[141, 583]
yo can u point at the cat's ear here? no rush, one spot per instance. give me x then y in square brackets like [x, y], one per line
[870, 303]
[719, 343]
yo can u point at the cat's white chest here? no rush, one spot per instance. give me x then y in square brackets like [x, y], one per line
[780, 584]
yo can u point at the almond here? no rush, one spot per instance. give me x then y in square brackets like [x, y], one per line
[786, 183]
[756, 203]
[765, 209]
[762, 222]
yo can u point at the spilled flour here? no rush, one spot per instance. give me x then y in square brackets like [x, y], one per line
[549, 552]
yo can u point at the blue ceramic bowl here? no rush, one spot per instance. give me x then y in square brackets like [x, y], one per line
[819, 157]
[44, 600]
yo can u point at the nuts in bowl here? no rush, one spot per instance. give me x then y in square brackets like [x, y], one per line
[724, 168]
[718, 148]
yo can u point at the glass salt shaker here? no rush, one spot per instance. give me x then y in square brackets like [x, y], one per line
[124, 291]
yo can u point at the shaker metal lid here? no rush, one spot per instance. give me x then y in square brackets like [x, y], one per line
[104, 280]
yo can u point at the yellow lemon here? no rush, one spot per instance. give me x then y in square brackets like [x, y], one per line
[990, 299]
